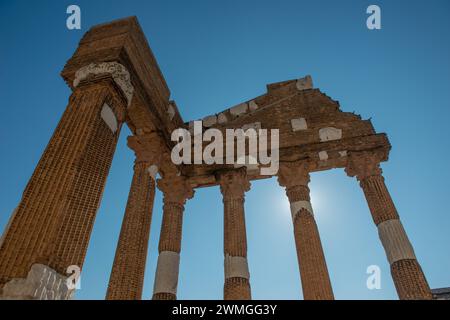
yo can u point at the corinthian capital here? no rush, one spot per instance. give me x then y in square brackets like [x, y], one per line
[294, 173]
[234, 183]
[115, 70]
[149, 147]
[364, 164]
[176, 189]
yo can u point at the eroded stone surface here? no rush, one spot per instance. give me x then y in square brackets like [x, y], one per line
[166, 278]
[171, 111]
[153, 171]
[252, 105]
[304, 83]
[109, 117]
[239, 109]
[395, 241]
[299, 124]
[209, 121]
[41, 283]
[222, 118]
[323, 155]
[330, 134]
[117, 71]
[299, 205]
[236, 267]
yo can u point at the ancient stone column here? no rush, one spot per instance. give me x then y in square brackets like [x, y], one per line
[233, 185]
[51, 228]
[316, 282]
[176, 191]
[407, 274]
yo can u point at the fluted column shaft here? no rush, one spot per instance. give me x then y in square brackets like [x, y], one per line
[176, 191]
[407, 274]
[237, 277]
[54, 219]
[316, 284]
[127, 275]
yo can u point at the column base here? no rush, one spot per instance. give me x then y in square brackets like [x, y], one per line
[41, 283]
[164, 296]
[237, 289]
[410, 281]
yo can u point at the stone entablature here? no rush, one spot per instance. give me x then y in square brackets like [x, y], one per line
[311, 126]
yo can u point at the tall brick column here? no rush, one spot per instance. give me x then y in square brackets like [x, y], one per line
[407, 274]
[316, 282]
[127, 275]
[51, 228]
[233, 185]
[176, 191]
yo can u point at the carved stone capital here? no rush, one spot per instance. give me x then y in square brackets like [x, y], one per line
[234, 183]
[176, 189]
[295, 173]
[115, 70]
[364, 164]
[148, 147]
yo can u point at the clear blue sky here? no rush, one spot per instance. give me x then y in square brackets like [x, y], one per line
[216, 54]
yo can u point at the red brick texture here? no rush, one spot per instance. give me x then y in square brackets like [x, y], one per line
[58, 207]
[316, 282]
[127, 275]
[172, 227]
[410, 281]
[237, 288]
[164, 296]
[378, 198]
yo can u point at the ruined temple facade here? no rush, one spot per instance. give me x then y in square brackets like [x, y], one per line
[115, 80]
